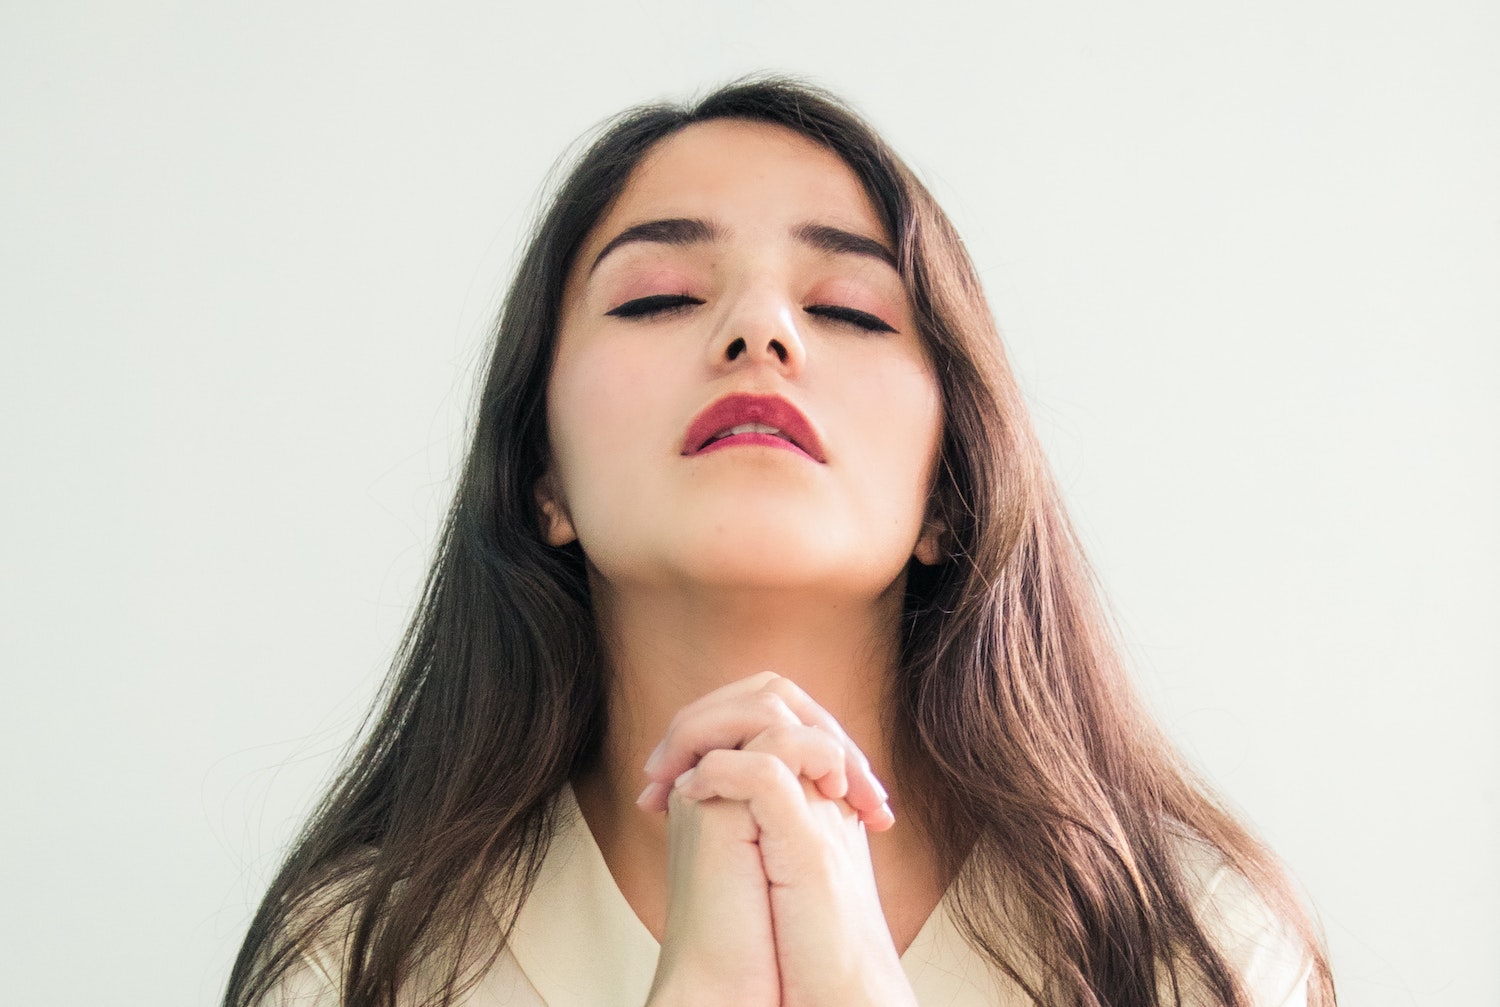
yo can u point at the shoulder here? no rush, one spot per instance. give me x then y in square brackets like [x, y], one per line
[1257, 942]
[316, 980]
[319, 927]
[316, 976]
[307, 983]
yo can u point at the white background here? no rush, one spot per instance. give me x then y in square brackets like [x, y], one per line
[1246, 257]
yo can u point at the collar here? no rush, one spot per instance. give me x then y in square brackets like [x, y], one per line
[581, 945]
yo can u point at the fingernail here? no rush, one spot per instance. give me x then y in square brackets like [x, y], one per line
[646, 794]
[653, 761]
[880, 791]
[686, 778]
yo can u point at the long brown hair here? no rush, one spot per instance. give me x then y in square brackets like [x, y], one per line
[1056, 801]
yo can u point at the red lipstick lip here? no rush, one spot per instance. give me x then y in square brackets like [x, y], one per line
[741, 407]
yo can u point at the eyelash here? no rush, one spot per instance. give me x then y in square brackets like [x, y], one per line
[859, 319]
[656, 304]
[664, 304]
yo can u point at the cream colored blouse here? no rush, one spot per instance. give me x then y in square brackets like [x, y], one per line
[577, 943]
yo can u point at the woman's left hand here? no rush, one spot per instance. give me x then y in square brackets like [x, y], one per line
[763, 742]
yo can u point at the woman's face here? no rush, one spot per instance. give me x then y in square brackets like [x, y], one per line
[741, 284]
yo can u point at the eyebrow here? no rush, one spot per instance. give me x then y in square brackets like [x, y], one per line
[840, 242]
[672, 231]
[692, 231]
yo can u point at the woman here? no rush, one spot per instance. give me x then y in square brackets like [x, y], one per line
[754, 517]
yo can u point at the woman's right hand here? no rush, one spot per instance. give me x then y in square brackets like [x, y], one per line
[719, 946]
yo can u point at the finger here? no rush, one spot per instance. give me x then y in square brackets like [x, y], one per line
[879, 820]
[824, 767]
[743, 687]
[731, 715]
[810, 753]
[654, 797]
[750, 684]
[763, 783]
[866, 794]
[729, 723]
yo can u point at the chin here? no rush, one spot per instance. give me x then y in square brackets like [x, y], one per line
[777, 561]
[763, 548]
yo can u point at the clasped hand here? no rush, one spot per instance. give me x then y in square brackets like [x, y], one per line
[772, 894]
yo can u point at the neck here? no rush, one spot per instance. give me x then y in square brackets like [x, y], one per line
[666, 648]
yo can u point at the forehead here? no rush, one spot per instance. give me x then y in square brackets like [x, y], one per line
[744, 174]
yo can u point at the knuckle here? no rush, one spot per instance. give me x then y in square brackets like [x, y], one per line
[822, 749]
[716, 763]
[774, 709]
[794, 695]
[780, 738]
[790, 691]
[832, 752]
[759, 680]
[765, 772]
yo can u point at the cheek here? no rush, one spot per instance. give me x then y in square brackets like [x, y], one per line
[587, 420]
[901, 429]
[599, 422]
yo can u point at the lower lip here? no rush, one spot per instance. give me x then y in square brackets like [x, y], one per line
[754, 440]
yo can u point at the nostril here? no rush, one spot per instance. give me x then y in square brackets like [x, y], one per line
[779, 350]
[736, 348]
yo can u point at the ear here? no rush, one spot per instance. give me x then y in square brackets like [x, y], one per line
[557, 526]
[929, 549]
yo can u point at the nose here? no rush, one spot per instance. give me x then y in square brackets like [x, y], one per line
[760, 330]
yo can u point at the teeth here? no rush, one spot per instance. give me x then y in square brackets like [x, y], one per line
[749, 428]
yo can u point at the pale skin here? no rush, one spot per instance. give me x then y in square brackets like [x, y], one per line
[749, 598]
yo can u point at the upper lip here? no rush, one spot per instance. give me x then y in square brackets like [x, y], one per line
[742, 407]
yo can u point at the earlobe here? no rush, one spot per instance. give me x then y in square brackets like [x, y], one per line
[557, 526]
[929, 549]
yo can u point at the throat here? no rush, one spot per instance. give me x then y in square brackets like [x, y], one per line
[665, 649]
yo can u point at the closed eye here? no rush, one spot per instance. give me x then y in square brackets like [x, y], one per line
[655, 304]
[862, 319]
